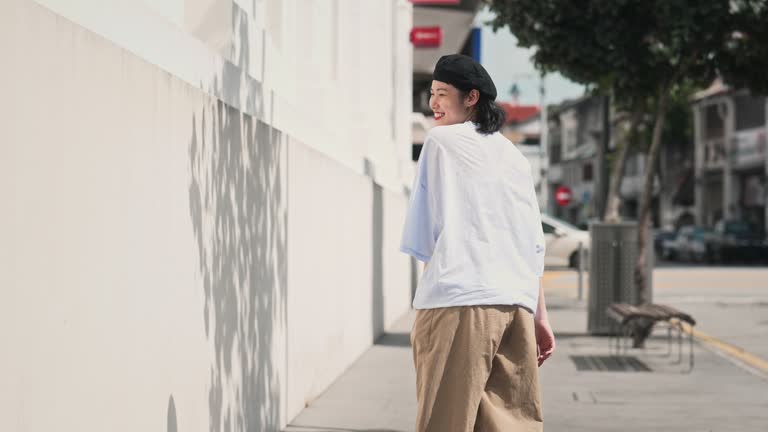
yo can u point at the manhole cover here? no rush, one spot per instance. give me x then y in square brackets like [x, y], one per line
[592, 363]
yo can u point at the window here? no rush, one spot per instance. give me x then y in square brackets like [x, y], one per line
[737, 227]
[713, 123]
[548, 229]
[586, 172]
[531, 140]
[750, 112]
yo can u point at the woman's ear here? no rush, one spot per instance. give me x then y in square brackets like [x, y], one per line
[472, 98]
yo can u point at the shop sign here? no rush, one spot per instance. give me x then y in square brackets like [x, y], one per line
[426, 37]
[753, 191]
[749, 147]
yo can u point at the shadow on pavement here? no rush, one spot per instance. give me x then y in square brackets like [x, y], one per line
[394, 339]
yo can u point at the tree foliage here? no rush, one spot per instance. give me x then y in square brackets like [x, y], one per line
[641, 49]
[635, 47]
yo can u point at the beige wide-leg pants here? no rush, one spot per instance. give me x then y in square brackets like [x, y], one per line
[476, 370]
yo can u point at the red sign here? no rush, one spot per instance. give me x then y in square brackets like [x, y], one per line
[430, 37]
[563, 196]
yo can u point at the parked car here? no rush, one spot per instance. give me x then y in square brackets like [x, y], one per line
[670, 247]
[735, 239]
[693, 244]
[563, 242]
[659, 238]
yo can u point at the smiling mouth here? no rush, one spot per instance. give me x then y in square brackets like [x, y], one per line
[439, 115]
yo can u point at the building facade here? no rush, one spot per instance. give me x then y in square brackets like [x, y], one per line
[730, 156]
[522, 126]
[576, 140]
[574, 137]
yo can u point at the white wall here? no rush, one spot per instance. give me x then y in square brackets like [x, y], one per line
[185, 212]
[326, 71]
[346, 276]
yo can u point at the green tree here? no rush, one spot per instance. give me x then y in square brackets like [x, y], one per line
[642, 50]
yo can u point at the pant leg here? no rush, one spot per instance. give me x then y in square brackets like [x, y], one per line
[512, 397]
[453, 352]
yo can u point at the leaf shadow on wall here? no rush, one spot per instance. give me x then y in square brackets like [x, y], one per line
[237, 205]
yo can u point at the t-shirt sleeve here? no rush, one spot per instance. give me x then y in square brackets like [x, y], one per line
[421, 228]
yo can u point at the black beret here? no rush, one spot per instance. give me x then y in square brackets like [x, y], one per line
[464, 73]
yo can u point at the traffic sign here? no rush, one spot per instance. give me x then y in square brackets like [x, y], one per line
[563, 196]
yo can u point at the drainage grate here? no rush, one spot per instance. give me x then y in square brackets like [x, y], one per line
[609, 364]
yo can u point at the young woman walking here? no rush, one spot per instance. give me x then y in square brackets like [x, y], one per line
[481, 327]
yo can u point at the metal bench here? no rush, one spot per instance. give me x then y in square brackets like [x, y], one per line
[633, 321]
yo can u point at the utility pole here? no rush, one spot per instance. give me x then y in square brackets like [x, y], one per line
[543, 189]
[543, 146]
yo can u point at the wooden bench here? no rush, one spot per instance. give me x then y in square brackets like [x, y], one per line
[637, 321]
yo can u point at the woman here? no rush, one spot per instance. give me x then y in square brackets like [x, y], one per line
[481, 327]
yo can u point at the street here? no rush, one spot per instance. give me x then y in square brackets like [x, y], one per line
[728, 303]
[726, 391]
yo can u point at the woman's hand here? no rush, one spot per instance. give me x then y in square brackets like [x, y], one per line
[545, 340]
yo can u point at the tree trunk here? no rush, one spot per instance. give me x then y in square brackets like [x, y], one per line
[601, 192]
[617, 171]
[647, 197]
[598, 205]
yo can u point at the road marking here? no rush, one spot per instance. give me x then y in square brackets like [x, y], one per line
[738, 353]
[718, 300]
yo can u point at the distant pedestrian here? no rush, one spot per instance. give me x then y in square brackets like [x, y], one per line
[481, 327]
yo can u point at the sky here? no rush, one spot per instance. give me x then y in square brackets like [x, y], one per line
[507, 63]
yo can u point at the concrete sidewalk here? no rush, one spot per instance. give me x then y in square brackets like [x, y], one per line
[377, 393]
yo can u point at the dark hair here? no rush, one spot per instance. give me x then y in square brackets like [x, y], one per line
[488, 116]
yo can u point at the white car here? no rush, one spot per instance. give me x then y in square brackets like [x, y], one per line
[563, 242]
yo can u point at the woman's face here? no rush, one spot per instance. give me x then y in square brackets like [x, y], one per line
[448, 105]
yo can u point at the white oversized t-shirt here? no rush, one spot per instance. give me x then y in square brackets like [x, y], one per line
[473, 214]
